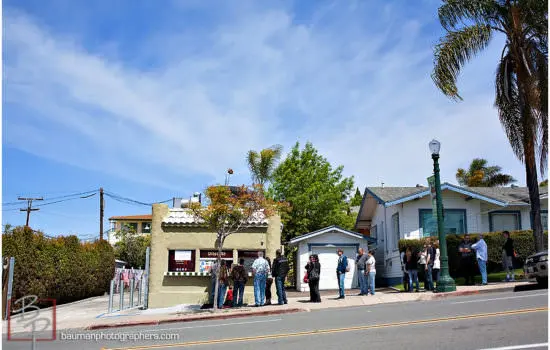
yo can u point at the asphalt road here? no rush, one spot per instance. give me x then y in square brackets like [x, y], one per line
[486, 321]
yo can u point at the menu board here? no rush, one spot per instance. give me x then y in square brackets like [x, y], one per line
[182, 255]
[209, 257]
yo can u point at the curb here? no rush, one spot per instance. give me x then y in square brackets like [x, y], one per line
[194, 318]
[471, 292]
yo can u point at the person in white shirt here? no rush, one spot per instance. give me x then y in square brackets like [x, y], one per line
[481, 253]
[260, 268]
[371, 271]
[437, 263]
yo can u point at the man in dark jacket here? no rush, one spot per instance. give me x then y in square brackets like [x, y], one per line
[341, 270]
[239, 277]
[361, 262]
[467, 260]
[279, 271]
[507, 256]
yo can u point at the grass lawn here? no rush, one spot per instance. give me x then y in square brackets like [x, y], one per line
[492, 277]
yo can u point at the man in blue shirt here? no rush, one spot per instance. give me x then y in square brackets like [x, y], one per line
[481, 253]
[341, 270]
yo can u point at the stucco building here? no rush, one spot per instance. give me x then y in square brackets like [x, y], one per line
[182, 251]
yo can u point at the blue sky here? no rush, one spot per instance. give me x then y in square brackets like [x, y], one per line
[152, 100]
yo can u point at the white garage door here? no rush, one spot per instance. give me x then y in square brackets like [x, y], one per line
[329, 261]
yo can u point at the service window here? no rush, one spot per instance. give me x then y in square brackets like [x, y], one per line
[181, 260]
[208, 257]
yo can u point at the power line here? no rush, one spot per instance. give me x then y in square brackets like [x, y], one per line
[86, 193]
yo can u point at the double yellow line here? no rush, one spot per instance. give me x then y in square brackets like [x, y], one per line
[334, 330]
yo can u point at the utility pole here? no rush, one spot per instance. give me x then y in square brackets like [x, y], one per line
[29, 206]
[101, 209]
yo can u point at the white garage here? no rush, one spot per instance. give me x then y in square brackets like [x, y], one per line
[325, 243]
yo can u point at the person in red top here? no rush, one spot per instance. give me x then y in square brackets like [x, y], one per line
[229, 298]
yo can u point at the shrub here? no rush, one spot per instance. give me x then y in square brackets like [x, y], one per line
[60, 268]
[524, 245]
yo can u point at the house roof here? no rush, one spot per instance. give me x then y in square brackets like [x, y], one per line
[327, 230]
[132, 217]
[503, 196]
[182, 217]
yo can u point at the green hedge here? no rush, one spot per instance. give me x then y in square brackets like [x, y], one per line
[60, 268]
[524, 245]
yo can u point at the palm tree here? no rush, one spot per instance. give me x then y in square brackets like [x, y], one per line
[263, 164]
[521, 75]
[481, 175]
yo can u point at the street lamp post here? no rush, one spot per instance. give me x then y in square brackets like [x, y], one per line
[446, 282]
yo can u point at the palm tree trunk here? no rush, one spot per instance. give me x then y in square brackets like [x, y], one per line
[532, 184]
[529, 157]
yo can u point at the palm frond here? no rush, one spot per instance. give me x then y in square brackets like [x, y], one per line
[507, 103]
[541, 62]
[455, 49]
[460, 12]
[500, 180]
[253, 164]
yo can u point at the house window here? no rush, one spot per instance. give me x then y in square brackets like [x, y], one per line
[181, 260]
[373, 233]
[145, 227]
[133, 226]
[454, 222]
[395, 225]
[504, 221]
[543, 219]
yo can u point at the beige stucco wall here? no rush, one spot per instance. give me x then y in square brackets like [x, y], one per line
[167, 291]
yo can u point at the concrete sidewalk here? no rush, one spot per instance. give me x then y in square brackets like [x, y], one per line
[91, 314]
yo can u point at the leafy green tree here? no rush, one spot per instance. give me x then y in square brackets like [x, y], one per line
[479, 174]
[263, 164]
[131, 246]
[357, 198]
[544, 183]
[521, 75]
[316, 193]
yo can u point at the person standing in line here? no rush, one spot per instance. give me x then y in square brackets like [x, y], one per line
[466, 259]
[341, 270]
[213, 277]
[371, 271]
[430, 257]
[361, 261]
[481, 253]
[412, 267]
[279, 271]
[403, 259]
[260, 268]
[268, 283]
[238, 275]
[437, 263]
[422, 265]
[507, 256]
[313, 268]
[223, 276]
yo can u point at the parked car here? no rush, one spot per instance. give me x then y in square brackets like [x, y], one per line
[536, 266]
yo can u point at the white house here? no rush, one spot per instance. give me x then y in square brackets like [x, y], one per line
[325, 243]
[388, 214]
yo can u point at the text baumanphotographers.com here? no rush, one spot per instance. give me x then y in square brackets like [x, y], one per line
[118, 336]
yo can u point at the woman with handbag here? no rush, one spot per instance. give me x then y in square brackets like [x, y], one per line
[313, 274]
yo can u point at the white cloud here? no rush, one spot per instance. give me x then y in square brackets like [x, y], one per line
[357, 86]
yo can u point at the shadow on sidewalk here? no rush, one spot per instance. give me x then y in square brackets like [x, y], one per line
[528, 287]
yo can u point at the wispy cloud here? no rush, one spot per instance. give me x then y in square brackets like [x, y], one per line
[352, 79]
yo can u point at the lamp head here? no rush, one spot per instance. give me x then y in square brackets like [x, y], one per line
[434, 146]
